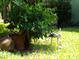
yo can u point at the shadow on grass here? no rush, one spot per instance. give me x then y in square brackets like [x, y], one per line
[71, 29]
[43, 48]
[37, 48]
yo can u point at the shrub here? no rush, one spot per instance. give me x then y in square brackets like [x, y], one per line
[34, 19]
[3, 29]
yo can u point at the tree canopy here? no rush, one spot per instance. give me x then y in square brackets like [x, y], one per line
[35, 18]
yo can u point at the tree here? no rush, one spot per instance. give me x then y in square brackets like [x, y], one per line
[33, 19]
[5, 9]
[0, 5]
[63, 11]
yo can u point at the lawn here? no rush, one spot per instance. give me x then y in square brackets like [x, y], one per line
[44, 49]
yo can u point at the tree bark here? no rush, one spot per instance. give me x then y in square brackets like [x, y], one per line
[27, 39]
[5, 11]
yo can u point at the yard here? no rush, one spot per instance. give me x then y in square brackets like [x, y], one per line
[35, 19]
[43, 49]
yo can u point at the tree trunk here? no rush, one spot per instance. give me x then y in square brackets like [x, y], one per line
[5, 11]
[19, 40]
[27, 40]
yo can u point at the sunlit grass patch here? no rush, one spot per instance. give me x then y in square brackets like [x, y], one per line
[44, 49]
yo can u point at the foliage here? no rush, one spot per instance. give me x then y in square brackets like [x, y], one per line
[3, 30]
[34, 18]
[63, 10]
[64, 13]
[0, 5]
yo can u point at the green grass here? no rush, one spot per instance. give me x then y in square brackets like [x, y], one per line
[43, 49]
